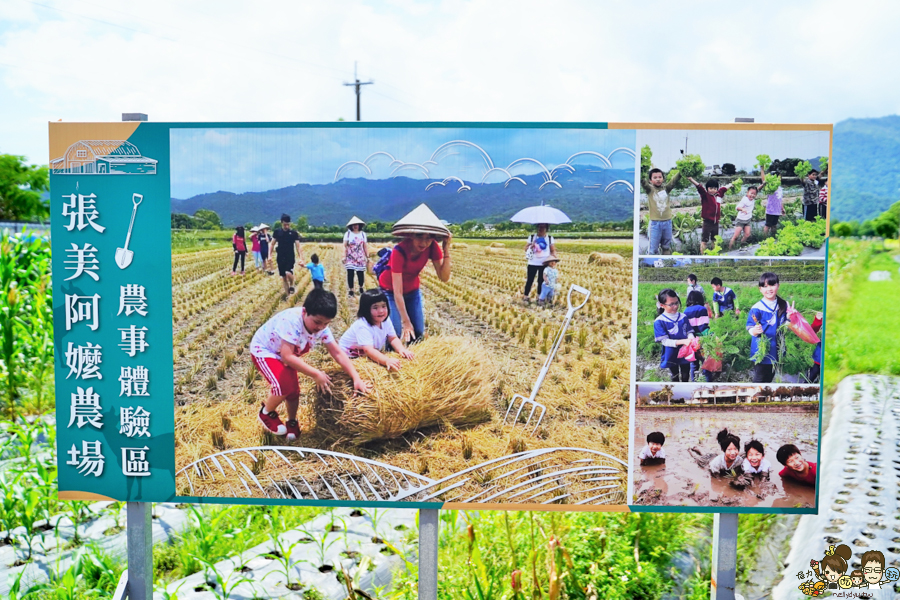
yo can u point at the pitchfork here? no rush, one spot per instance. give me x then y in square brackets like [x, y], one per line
[521, 400]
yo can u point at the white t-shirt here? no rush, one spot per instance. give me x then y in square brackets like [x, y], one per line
[745, 208]
[287, 326]
[358, 237]
[541, 247]
[646, 453]
[362, 334]
[718, 464]
[764, 467]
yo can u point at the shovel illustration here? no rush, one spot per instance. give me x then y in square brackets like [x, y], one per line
[124, 255]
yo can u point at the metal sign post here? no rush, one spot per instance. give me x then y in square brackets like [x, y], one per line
[428, 553]
[140, 550]
[724, 560]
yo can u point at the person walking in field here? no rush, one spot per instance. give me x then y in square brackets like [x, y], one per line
[254, 248]
[744, 217]
[265, 246]
[711, 196]
[277, 349]
[539, 247]
[316, 271]
[239, 244]
[287, 249]
[421, 230]
[660, 210]
[372, 334]
[356, 254]
[810, 196]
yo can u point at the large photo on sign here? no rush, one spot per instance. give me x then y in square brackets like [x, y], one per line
[403, 314]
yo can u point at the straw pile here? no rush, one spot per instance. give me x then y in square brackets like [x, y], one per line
[605, 258]
[459, 245]
[498, 245]
[450, 381]
[495, 251]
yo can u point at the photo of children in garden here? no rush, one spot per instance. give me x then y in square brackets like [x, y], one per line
[733, 193]
[725, 445]
[730, 320]
[402, 343]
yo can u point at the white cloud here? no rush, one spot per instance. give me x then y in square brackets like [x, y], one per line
[449, 60]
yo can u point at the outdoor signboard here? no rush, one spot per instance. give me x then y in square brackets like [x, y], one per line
[208, 351]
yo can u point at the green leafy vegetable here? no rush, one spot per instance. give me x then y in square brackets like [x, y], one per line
[646, 165]
[763, 161]
[737, 186]
[802, 169]
[690, 166]
[773, 182]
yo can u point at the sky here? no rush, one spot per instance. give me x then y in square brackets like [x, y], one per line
[212, 159]
[451, 60]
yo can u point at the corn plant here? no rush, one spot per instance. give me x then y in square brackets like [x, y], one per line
[281, 552]
[225, 583]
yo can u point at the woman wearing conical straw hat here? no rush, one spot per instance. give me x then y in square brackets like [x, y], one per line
[421, 230]
[356, 253]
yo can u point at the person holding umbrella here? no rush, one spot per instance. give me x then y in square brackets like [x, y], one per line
[420, 230]
[540, 245]
[356, 254]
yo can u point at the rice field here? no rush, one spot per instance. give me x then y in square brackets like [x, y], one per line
[218, 392]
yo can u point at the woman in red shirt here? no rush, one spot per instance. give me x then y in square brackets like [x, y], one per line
[239, 244]
[408, 258]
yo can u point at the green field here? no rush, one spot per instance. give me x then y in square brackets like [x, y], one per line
[862, 325]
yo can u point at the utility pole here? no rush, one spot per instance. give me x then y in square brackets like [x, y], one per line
[357, 85]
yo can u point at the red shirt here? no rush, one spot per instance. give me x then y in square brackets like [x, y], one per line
[238, 243]
[810, 478]
[710, 208]
[400, 263]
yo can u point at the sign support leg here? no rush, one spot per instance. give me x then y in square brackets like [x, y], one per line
[428, 554]
[724, 559]
[140, 550]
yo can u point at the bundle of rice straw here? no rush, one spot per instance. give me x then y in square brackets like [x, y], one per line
[450, 380]
[605, 258]
[489, 250]
[498, 245]
[456, 245]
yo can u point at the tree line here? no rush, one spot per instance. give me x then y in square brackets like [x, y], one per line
[885, 225]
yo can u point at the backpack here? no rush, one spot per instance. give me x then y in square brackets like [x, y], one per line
[384, 260]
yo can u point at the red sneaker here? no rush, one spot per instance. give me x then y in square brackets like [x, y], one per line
[293, 430]
[271, 422]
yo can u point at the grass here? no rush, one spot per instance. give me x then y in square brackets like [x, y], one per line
[861, 323]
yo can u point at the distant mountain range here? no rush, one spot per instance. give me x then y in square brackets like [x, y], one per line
[866, 157]
[390, 199]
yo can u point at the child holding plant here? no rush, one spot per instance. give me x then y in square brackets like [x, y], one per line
[724, 298]
[672, 329]
[711, 196]
[697, 313]
[660, 210]
[810, 196]
[277, 348]
[744, 216]
[763, 322]
[372, 333]
[774, 196]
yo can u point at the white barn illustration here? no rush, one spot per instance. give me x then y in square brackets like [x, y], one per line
[103, 157]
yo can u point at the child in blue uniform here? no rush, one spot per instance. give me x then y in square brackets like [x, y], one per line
[764, 319]
[672, 329]
[698, 316]
[724, 298]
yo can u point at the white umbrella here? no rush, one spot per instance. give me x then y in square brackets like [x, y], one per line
[541, 214]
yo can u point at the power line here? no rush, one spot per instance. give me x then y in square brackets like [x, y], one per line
[357, 84]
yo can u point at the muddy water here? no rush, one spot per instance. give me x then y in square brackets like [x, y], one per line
[682, 482]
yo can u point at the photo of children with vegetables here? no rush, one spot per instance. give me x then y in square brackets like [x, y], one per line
[733, 193]
[767, 313]
[726, 445]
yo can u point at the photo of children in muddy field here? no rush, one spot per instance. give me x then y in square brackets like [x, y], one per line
[733, 193]
[428, 329]
[725, 445]
[730, 320]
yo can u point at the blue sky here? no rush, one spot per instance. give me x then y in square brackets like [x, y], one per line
[259, 159]
[442, 60]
